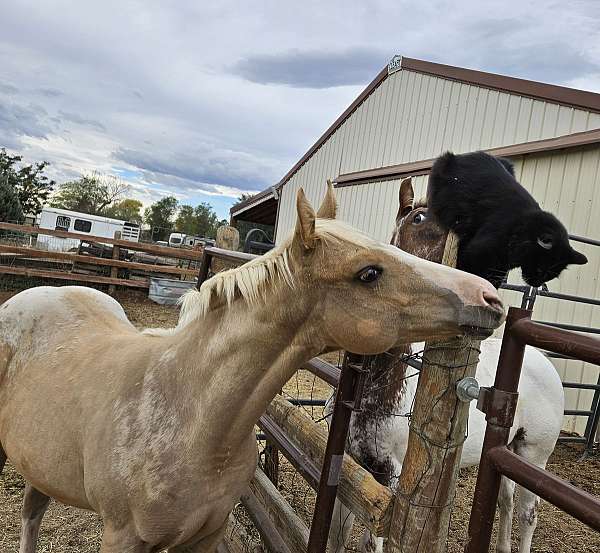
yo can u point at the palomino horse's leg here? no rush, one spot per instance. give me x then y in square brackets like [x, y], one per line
[505, 508]
[35, 504]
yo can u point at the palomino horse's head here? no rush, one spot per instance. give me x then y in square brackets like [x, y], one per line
[415, 232]
[372, 296]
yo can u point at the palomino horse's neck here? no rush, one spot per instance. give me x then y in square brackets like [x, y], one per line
[235, 359]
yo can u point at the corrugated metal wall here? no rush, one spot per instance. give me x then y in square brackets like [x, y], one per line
[567, 183]
[412, 117]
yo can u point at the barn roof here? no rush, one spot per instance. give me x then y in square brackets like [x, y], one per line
[562, 95]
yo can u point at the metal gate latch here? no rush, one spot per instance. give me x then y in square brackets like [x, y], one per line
[499, 406]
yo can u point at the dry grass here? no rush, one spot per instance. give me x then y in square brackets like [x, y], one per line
[69, 530]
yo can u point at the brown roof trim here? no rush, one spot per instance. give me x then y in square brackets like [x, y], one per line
[423, 166]
[533, 89]
[256, 199]
[361, 98]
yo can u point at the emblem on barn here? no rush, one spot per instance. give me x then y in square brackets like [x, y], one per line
[395, 64]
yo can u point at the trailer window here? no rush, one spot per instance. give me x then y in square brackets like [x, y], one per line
[63, 223]
[83, 226]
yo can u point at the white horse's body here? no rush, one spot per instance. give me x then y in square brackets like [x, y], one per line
[533, 436]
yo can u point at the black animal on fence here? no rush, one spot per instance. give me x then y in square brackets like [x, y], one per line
[499, 224]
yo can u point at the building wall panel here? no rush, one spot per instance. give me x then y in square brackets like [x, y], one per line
[413, 116]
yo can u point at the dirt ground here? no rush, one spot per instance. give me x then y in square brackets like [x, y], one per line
[69, 530]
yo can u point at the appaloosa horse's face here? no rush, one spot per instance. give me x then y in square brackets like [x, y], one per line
[415, 231]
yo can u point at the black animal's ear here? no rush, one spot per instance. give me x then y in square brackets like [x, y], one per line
[507, 164]
[443, 165]
[578, 258]
[406, 197]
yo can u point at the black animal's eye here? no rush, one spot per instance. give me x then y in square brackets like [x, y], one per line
[419, 218]
[545, 242]
[369, 274]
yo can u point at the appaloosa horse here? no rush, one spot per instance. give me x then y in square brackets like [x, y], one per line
[155, 431]
[378, 434]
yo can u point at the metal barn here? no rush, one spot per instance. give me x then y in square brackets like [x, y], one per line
[413, 111]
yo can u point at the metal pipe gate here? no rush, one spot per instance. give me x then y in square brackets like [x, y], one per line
[499, 404]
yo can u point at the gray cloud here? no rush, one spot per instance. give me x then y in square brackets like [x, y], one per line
[6, 88]
[49, 92]
[79, 120]
[522, 52]
[204, 168]
[313, 69]
[18, 121]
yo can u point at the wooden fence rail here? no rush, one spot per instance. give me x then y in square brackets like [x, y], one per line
[74, 277]
[112, 279]
[176, 253]
[91, 260]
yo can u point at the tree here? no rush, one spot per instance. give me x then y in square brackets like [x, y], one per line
[243, 197]
[10, 207]
[159, 216]
[197, 221]
[91, 194]
[126, 210]
[207, 220]
[29, 182]
[186, 220]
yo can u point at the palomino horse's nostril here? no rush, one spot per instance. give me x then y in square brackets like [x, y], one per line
[493, 300]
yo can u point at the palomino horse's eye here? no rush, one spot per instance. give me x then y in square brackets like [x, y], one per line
[369, 274]
[419, 218]
[545, 242]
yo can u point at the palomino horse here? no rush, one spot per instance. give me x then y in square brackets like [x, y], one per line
[378, 435]
[155, 431]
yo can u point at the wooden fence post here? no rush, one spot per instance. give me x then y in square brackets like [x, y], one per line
[114, 271]
[426, 489]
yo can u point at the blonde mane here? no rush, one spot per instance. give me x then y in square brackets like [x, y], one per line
[249, 280]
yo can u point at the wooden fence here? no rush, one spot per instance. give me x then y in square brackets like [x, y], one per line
[15, 256]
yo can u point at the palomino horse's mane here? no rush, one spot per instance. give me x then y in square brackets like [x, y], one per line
[249, 280]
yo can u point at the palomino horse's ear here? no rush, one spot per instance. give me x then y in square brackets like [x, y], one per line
[305, 225]
[329, 206]
[406, 197]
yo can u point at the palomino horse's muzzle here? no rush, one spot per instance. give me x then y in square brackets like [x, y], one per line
[484, 314]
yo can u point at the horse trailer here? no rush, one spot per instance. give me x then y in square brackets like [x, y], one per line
[80, 223]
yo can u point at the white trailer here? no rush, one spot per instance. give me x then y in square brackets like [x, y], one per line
[80, 223]
[178, 239]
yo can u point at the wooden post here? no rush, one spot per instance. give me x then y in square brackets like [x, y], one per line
[228, 238]
[114, 271]
[427, 484]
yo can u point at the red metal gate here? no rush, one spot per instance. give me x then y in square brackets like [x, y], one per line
[499, 403]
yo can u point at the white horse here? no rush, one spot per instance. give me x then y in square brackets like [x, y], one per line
[378, 434]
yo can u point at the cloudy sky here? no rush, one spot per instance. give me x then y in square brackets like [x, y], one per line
[205, 100]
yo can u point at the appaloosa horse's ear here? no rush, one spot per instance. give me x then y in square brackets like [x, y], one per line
[305, 225]
[328, 208]
[406, 197]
